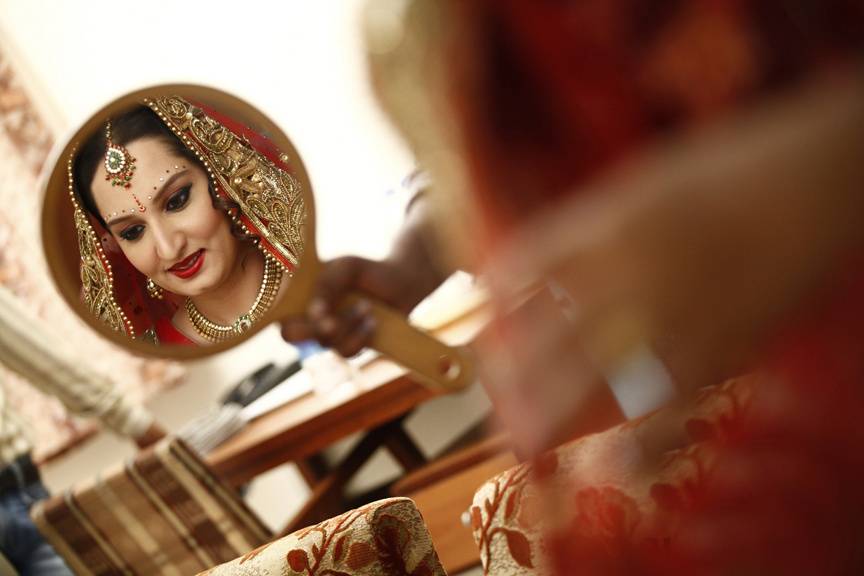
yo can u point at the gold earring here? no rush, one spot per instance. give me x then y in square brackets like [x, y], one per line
[154, 289]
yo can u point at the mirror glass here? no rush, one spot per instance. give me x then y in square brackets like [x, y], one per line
[176, 217]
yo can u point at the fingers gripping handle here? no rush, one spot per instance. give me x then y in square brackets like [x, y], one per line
[438, 365]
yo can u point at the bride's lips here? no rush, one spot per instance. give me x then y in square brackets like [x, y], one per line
[189, 266]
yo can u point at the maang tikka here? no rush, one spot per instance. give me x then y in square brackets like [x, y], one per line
[119, 165]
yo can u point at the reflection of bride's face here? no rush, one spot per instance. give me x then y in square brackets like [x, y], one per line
[180, 240]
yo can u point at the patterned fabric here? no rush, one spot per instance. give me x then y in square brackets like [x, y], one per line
[765, 476]
[594, 490]
[547, 96]
[162, 513]
[387, 537]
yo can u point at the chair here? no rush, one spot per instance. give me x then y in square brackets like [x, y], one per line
[387, 537]
[163, 512]
[443, 490]
[595, 487]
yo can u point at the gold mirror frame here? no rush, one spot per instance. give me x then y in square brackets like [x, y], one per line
[57, 219]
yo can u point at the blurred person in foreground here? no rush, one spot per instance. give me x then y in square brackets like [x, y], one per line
[688, 176]
[33, 351]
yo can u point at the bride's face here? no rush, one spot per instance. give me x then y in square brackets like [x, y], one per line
[179, 240]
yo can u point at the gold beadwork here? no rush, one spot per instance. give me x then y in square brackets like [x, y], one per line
[154, 290]
[97, 275]
[266, 295]
[276, 209]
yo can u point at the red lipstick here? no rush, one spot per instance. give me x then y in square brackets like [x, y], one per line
[189, 266]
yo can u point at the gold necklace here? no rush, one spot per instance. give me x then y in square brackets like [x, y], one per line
[266, 295]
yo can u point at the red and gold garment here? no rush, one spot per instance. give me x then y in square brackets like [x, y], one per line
[551, 94]
[556, 93]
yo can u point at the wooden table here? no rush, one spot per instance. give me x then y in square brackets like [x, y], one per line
[382, 394]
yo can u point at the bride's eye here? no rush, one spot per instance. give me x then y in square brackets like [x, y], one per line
[132, 233]
[178, 200]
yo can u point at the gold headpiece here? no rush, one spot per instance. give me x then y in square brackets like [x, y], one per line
[119, 164]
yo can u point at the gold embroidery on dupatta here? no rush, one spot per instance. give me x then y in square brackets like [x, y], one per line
[97, 278]
[270, 197]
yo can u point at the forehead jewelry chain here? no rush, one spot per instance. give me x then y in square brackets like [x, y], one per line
[266, 295]
[119, 165]
[149, 196]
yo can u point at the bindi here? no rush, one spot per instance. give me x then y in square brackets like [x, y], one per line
[141, 207]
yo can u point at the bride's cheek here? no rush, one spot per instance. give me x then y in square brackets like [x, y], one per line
[142, 257]
[209, 221]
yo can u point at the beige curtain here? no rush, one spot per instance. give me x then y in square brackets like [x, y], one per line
[25, 141]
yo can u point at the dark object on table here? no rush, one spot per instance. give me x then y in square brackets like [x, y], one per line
[259, 383]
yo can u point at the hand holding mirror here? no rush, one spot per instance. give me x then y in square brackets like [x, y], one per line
[179, 220]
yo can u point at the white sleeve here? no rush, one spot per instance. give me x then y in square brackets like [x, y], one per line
[30, 348]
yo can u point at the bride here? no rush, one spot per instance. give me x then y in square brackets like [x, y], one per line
[189, 224]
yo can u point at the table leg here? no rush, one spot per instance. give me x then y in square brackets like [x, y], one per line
[403, 448]
[313, 469]
[326, 499]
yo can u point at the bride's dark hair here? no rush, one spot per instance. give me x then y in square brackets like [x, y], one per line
[140, 122]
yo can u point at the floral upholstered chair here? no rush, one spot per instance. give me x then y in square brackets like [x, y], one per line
[387, 537]
[590, 495]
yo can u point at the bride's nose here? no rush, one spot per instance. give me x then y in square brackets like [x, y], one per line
[169, 243]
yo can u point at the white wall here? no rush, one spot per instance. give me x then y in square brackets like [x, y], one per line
[300, 61]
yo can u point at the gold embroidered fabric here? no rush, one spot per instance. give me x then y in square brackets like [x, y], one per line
[270, 197]
[96, 280]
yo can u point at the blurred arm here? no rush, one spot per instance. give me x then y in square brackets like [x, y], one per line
[30, 348]
[700, 251]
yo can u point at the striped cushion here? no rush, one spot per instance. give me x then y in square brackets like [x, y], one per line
[161, 513]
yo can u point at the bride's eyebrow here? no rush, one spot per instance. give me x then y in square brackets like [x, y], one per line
[167, 185]
[118, 220]
[155, 198]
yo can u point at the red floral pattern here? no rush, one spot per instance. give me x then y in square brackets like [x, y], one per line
[589, 502]
[504, 519]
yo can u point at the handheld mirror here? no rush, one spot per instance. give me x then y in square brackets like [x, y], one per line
[179, 220]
